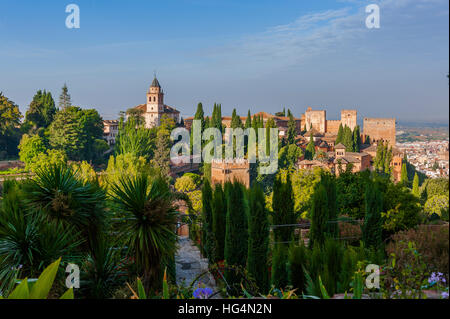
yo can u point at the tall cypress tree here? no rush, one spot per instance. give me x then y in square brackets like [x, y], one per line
[219, 210]
[248, 120]
[329, 182]
[283, 214]
[404, 175]
[319, 216]
[207, 226]
[340, 135]
[200, 115]
[371, 229]
[348, 139]
[356, 139]
[415, 188]
[258, 240]
[236, 237]
[310, 151]
[292, 130]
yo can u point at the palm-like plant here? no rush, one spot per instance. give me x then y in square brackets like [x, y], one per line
[29, 242]
[149, 230]
[57, 193]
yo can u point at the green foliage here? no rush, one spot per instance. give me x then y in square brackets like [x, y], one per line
[405, 274]
[310, 151]
[207, 221]
[357, 139]
[149, 232]
[292, 130]
[76, 131]
[219, 209]
[404, 175]
[186, 183]
[41, 288]
[350, 193]
[280, 257]
[383, 159]
[372, 228]
[236, 237]
[347, 139]
[9, 121]
[248, 120]
[100, 271]
[258, 240]
[85, 172]
[319, 216]
[125, 165]
[64, 98]
[41, 111]
[298, 263]
[47, 159]
[438, 205]
[30, 147]
[283, 209]
[56, 192]
[415, 187]
[29, 241]
[401, 208]
[288, 156]
[340, 135]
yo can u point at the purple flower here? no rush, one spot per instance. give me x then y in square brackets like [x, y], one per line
[202, 293]
[444, 295]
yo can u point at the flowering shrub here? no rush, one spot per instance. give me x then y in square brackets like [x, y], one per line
[432, 242]
[405, 275]
[202, 293]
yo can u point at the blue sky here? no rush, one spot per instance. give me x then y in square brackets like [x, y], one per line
[245, 54]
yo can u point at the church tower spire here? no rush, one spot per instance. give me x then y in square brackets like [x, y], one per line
[155, 103]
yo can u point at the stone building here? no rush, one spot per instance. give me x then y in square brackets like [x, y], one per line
[380, 129]
[110, 131]
[359, 161]
[316, 119]
[223, 171]
[154, 109]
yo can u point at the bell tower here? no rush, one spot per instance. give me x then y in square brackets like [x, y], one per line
[155, 103]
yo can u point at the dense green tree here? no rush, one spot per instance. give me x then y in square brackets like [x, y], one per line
[329, 182]
[75, 131]
[219, 210]
[64, 98]
[372, 228]
[236, 120]
[161, 157]
[280, 258]
[269, 125]
[236, 237]
[135, 116]
[208, 243]
[283, 209]
[347, 139]
[289, 155]
[404, 175]
[310, 151]
[298, 258]
[319, 216]
[415, 187]
[9, 122]
[292, 130]
[200, 115]
[41, 111]
[258, 240]
[248, 120]
[135, 139]
[340, 135]
[30, 147]
[356, 139]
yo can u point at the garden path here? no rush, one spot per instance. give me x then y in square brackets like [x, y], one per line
[190, 264]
